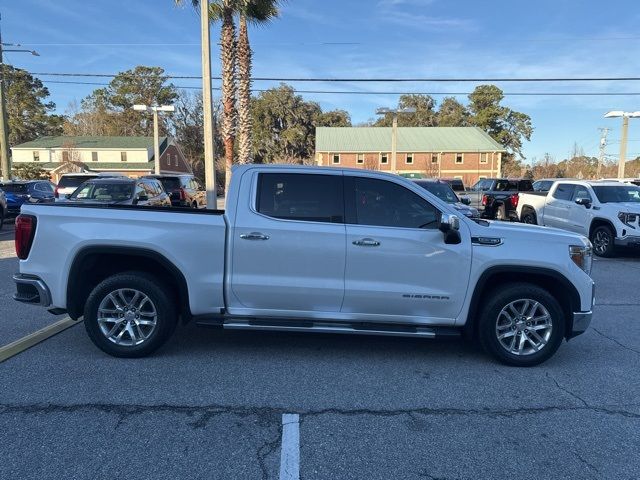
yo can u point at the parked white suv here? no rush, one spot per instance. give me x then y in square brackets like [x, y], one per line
[607, 212]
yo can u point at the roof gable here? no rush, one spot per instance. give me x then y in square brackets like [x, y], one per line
[410, 139]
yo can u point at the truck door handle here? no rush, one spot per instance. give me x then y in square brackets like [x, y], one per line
[254, 236]
[366, 242]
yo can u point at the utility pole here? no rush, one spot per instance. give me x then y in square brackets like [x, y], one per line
[603, 145]
[4, 132]
[209, 144]
[156, 134]
[394, 130]
[5, 162]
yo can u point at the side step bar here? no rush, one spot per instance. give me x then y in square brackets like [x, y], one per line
[360, 328]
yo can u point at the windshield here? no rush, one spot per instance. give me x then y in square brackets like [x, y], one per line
[170, 184]
[15, 188]
[441, 190]
[617, 194]
[73, 181]
[104, 192]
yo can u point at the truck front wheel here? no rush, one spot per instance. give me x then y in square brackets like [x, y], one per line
[130, 314]
[521, 325]
[602, 239]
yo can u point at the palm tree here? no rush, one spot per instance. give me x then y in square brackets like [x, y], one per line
[258, 12]
[224, 10]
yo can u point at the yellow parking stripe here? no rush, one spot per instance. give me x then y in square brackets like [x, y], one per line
[19, 346]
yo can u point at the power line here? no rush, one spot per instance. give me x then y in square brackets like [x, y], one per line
[379, 80]
[360, 92]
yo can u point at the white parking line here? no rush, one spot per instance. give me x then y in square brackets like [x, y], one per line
[290, 449]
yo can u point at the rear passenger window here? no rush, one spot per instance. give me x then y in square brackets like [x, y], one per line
[387, 204]
[564, 191]
[296, 196]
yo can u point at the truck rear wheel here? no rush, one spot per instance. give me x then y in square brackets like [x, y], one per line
[130, 315]
[521, 325]
[529, 216]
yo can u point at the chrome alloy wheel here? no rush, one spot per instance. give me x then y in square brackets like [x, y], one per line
[601, 241]
[523, 327]
[127, 317]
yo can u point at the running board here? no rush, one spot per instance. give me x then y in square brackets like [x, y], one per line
[360, 328]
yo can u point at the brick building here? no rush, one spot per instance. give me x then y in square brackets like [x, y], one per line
[131, 156]
[458, 152]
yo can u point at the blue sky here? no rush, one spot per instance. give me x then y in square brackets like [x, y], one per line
[376, 38]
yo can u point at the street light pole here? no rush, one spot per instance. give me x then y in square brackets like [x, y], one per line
[209, 145]
[156, 134]
[156, 142]
[623, 140]
[623, 146]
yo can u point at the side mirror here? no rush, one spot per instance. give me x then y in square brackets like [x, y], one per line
[140, 198]
[450, 226]
[584, 201]
[465, 200]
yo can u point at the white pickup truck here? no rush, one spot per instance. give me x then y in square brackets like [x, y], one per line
[307, 249]
[608, 212]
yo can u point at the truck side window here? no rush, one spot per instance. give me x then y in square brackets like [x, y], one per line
[581, 192]
[387, 204]
[301, 196]
[564, 191]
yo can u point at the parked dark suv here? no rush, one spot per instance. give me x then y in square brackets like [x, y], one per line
[147, 192]
[27, 191]
[184, 190]
[3, 207]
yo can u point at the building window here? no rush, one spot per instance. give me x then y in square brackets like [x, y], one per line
[123, 156]
[409, 158]
[459, 158]
[94, 156]
[484, 157]
[335, 158]
[175, 157]
[65, 156]
[384, 158]
[36, 156]
[360, 158]
[434, 158]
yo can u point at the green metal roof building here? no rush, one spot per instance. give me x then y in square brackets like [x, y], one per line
[468, 153]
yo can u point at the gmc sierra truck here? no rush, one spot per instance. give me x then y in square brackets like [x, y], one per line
[607, 212]
[307, 249]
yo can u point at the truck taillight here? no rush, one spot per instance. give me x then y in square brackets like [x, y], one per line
[183, 195]
[514, 200]
[56, 193]
[25, 231]
[484, 200]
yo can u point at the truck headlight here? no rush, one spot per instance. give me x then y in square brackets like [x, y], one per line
[582, 256]
[628, 218]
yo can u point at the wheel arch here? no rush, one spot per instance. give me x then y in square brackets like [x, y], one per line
[599, 221]
[551, 280]
[93, 264]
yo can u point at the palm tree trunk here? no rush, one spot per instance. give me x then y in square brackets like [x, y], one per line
[245, 144]
[228, 57]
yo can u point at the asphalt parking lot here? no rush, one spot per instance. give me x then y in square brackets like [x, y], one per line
[211, 403]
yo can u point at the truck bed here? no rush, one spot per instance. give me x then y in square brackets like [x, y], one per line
[178, 235]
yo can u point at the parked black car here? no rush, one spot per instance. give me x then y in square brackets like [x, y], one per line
[27, 191]
[444, 192]
[147, 192]
[184, 190]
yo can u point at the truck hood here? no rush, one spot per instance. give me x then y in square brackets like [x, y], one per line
[629, 207]
[507, 230]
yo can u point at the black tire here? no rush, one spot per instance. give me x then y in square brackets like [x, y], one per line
[501, 213]
[194, 205]
[1, 218]
[491, 315]
[161, 299]
[529, 217]
[602, 239]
